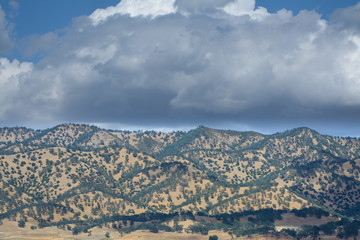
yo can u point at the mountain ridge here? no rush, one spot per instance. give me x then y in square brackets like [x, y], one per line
[83, 173]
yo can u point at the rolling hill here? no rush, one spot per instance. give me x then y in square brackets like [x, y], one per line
[82, 176]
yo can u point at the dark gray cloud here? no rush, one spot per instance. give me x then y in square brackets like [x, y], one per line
[218, 67]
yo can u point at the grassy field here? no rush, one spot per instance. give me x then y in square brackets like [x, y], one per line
[291, 221]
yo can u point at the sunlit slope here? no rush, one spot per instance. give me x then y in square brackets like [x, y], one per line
[83, 172]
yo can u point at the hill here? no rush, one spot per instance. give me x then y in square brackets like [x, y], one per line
[79, 176]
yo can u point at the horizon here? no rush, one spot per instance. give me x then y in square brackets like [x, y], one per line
[185, 130]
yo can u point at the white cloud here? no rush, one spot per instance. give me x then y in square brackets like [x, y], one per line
[351, 70]
[240, 7]
[12, 75]
[199, 66]
[99, 55]
[246, 7]
[135, 8]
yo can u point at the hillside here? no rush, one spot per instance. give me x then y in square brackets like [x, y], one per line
[79, 176]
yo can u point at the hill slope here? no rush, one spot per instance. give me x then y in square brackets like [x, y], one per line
[83, 174]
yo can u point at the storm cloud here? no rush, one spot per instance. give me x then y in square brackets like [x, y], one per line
[181, 62]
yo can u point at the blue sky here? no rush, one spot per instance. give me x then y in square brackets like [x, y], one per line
[176, 64]
[42, 16]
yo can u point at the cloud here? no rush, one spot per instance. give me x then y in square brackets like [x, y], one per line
[190, 7]
[240, 7]
[5, 42]
[11, 76]
[15, 5]
[234, 63]
[348, 17]
[38, 44]
[13, 8]
[246, 7]
[135, 8]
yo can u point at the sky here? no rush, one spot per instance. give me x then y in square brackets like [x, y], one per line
[170, 65]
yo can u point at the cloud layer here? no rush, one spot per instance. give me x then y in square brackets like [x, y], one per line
[179, 62]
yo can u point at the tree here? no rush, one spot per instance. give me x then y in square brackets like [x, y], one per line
[21, 223]
[289, 232]
[215, 237]
[350, 229]
[328, 228]
[153, 228]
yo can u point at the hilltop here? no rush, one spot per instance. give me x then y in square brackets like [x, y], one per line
[78, 177]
